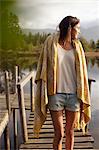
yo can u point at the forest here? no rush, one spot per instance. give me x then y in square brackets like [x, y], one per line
[13, 42]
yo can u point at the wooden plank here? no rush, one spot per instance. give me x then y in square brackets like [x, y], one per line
[47, 122]
[46, 137]
[92, 54]
[51, 135]
[4, 118]
[50, 146]
[62, 149]
[26, 79]
[46, 126]
[50, 140]
[3, 100]
[14, 102]
[51, 130]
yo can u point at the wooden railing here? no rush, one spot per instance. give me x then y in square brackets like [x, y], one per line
[21, 101]
[7, 112]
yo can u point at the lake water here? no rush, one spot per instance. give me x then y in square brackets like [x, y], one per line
[93, 72]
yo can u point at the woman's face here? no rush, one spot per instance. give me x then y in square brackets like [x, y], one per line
[75, 31]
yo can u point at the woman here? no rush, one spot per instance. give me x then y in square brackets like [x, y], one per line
[62, 83]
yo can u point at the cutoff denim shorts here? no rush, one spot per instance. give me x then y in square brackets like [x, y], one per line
[61, 101]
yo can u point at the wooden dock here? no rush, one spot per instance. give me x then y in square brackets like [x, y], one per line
[4, 116]
[92, 54]
[46, 137]
[25, 102]
[14, 102]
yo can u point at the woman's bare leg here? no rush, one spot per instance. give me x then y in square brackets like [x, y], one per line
[70, 120]
[57, 118]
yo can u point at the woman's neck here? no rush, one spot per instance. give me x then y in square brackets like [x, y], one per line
[66, 45]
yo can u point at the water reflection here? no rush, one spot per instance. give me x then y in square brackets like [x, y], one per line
[8, 60]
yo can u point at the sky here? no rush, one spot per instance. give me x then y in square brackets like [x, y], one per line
[40, 14]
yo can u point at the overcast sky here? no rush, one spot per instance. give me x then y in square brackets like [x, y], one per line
[48, 13]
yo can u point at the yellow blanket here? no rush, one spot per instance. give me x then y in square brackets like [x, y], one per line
[46, 83]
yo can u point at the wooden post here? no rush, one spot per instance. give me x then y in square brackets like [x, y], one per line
[32, 93]
[0, 143]
[6, 138]
[89, 82]
[7, 92]
[16, 77]
[6, 132]
[22, 112]
[14, 110]
[15, 129]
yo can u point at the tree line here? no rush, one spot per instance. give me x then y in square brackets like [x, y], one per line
[13, 38]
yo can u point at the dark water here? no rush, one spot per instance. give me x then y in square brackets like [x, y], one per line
[94, 124]
[93, 72]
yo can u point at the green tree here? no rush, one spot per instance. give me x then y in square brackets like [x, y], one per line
[11, 33]
[30, 38]
[85, 44]
[36, 39]
[30, 47]
[92, 44]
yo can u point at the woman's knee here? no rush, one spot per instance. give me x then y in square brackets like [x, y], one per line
[59, 135]
[69, 131]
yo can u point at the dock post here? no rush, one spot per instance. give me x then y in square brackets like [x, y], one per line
[15, 126]
[22, 112]
[7, 92]
[16, 77]
[89, 83]
[15, 123]
[7, 138]
[6, 132]
[32, 93]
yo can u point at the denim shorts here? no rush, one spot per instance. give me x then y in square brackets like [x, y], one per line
[60, 101]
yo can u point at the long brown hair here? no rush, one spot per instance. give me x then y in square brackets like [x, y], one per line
[65, 24]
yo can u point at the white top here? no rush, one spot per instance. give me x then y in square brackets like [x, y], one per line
[66, 73]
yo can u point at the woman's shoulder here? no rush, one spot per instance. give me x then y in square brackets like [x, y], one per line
[52, 36]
